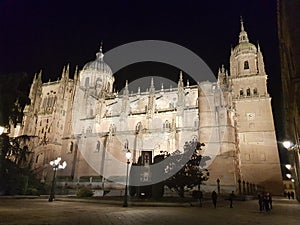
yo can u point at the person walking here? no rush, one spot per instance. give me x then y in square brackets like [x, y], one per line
[270, 201]
[214, 197]
[266, 202]
[292, 195]
[231, 197]
[260, 202]
[289, 195]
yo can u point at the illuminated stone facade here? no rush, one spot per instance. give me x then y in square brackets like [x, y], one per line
[89, 125]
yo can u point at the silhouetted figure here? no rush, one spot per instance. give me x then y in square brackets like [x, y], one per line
[289, 195]
[266, 202]
[200, 198]
[231, 197]
[292, 195]
[270, 201]
[214, 197]
[260, 202]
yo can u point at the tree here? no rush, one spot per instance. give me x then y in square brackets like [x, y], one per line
[187, 164]
[16, 175]
[13, 97]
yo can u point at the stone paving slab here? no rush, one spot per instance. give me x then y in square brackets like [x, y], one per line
[42, 212]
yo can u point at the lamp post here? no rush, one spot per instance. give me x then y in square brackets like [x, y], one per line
[56, 166]
[128, 156]
[294, 166]
[1, 130]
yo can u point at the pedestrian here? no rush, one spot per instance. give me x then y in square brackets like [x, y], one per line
[260, 202]
[200, 198]
[289, 195]
[292, 195]
[214, 197]
[231, 197]
[270, 201]
[266, 202]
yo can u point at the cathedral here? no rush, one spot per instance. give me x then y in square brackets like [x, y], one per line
[90, 126]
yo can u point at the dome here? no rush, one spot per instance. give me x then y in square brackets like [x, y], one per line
[245, 47]
[98, 64]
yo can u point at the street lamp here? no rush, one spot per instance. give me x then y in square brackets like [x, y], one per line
[294, 166]
[287, 144]
[1, 130]
[288, 166]
[56, 166]
[128, 156]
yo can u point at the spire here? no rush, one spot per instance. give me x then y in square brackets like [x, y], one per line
[152, 82]
[100, 54]
[76, 73]
[126, 91]
[40, 76]
[67, 71]
[243, 37]
[258, 47]
[34, 78]
[180, 82]
[63, 72]
[152, 88]
[242, 24]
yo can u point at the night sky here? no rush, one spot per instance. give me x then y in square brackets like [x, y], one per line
[48, 34]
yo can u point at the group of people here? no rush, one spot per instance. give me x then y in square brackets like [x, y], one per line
[214, 197]
[265, 202]
[290, 195]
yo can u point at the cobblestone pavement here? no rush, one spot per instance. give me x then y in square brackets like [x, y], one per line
[41, 212]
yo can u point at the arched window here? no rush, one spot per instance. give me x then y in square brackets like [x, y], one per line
[196, 123]
[248, 91]
[89, 130]
[166, 125]
[255, 91]
[98, 146]
[241, 92]
[71, 147]
[112, 128]
[126, 144]
[138, 127]
[37, 158]
[98, 82]
[108, 86]
[87, 82]
[246, 65]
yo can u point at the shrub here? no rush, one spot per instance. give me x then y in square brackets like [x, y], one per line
[85, 192]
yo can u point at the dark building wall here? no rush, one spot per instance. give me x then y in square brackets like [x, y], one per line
[289, 46]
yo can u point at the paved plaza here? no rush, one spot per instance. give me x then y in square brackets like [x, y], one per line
[41, 212]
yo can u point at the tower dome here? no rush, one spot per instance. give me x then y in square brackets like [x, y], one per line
[244, 45]
[98, 64]
[97, 76]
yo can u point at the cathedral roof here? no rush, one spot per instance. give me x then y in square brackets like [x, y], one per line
[98, 64]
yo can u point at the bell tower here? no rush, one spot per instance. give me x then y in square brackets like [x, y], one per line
[259, 155]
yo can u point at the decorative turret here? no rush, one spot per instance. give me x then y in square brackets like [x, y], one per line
[243, 37]
[260, 62]
[180, 102]
[223, 80]
[125, 101]
[243, 56]
[246, 61]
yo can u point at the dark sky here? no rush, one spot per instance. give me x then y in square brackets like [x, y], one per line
[48, 34]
